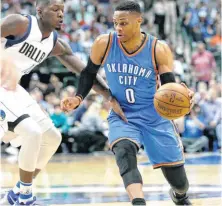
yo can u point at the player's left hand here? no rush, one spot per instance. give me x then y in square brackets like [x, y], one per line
[191, 95]
[117, 109]
[70, 103]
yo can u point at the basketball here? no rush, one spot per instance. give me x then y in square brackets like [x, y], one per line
[172, 101]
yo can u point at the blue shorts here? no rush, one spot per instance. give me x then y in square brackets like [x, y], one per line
[161, 141]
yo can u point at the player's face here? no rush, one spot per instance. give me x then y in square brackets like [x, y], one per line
[53, 14]
[126, 24]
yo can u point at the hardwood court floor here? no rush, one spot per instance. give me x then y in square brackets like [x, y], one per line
[81, 180]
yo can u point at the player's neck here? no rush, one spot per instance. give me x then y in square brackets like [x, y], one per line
[134, 43]
[46, 31]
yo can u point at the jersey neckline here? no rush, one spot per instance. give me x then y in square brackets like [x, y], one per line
[130, 54]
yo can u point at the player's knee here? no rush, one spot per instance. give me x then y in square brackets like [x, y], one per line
[52, 138]
[35, 135]
[29, 129]
[125, 152]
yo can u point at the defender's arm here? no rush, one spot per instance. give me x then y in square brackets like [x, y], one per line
[64, 54]
[14, 25]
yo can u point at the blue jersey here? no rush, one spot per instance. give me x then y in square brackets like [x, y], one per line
[132, 78]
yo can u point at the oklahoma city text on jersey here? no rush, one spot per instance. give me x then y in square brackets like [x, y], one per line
[128, 69]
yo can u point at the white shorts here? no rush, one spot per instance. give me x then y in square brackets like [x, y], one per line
[17, 103]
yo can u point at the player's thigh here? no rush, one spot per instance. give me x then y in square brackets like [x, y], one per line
[12, 112]
[40, 116]
[21, 130]
[11, 104]
[119, 130]
[163, 144]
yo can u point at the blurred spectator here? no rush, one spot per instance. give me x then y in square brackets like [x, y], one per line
[105, 110]
[75, 44]
[35, 83]
[201, 92]
[71, 90]
[216, 40]
[92, 120]
[37, 95]
[219, 134]
[159, 19]
[180, 67]
[54, 85]
[80, 111]
[89, 134]
[191, 127]
[171, 19]
[60, 119]
[203, 63]
[211, 109]
[52, 100]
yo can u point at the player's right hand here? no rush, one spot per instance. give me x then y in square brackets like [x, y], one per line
[70, 103]
[117, 108]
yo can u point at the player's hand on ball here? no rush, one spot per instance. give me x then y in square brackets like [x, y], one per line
[117, 109]
[70, 103]
[191, 95]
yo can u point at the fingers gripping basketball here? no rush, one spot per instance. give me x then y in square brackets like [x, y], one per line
[172, 101]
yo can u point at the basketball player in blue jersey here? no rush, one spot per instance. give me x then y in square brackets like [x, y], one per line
[29, 40]
[133, 62]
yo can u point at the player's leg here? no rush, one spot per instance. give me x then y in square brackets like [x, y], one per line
[51, 140]
[21, 124]
[177, 178]
[125, 153]
[30, 131]
[51, 137]
[165, 150]
[125, 141]
[28, 155]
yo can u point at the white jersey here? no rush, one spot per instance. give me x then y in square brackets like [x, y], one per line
[27, 51]
[30, 50]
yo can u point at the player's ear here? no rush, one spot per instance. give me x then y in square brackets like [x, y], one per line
[39, 11]
[140, 20]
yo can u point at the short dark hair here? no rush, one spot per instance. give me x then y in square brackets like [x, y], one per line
[42, 2]
[131, 6]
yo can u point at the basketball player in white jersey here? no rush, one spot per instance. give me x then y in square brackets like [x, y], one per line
[30, 40]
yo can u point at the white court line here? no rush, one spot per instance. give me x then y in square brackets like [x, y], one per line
[100, 189]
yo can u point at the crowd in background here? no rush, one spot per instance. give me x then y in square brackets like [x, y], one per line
[192, 30]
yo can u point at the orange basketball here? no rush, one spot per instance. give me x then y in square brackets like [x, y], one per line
[171, 101]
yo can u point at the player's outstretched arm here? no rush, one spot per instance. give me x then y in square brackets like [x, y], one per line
[14, 25]
[164, 58]
[88, 75]
[65, 55]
